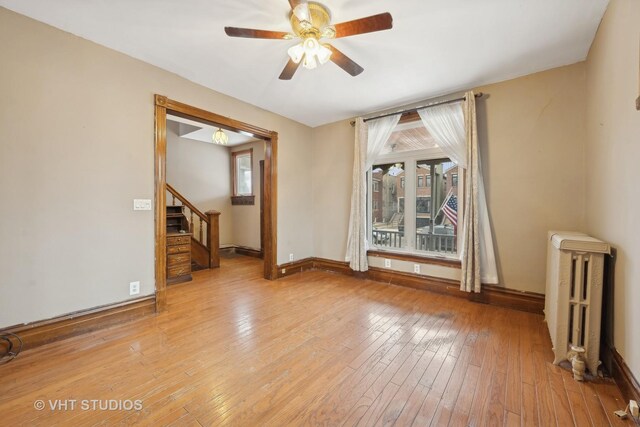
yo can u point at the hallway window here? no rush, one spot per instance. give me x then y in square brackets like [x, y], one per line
[242, 173]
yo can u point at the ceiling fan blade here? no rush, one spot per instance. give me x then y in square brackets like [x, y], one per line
[382, 21]
[344, 62]
[294, 3]
[255, 34]
[289, 70]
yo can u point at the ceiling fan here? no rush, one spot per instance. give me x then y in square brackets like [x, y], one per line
[311, 22]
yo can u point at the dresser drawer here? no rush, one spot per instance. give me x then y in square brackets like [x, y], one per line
[178, 240]
[178, 249]
[176, 259]
[178, 270]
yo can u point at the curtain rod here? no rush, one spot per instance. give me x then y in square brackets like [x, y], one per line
[413, 110]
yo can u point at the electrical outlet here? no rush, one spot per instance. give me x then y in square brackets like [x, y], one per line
[134, 288]
[416, 268]
[633, 409]
[284, 270]
[290, 257]
[387, 263]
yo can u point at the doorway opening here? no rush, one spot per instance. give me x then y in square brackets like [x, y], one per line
[268, 190]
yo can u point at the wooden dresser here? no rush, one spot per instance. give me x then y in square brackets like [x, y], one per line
[178, 257]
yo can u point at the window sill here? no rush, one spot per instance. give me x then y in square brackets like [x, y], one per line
[243, 200]
[424, 259]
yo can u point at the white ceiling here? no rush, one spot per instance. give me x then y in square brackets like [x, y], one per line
[434, 48]
[197, 131]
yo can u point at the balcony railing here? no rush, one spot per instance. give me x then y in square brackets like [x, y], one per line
[387, 238]
[440, 243]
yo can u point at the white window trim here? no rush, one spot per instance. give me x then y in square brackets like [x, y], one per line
[410, 159]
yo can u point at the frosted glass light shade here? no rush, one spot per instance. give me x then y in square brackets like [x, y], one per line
[219, 137]
[296, 53]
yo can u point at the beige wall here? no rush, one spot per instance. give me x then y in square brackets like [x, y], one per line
[76, 147]
[202, 173]
[246, 219]
[532, 135]
[331, 173]
[613, 153]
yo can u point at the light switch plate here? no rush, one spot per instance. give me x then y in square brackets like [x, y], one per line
[141, 204]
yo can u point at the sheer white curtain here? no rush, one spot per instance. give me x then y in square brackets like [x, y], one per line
[446, 124]
[454, 128]
[370, 139]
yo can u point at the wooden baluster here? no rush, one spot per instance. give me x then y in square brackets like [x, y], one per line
[191, 222]
[201, 231]
[173, 199]
[213, 238]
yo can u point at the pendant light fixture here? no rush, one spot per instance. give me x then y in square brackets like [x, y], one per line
[219, 137]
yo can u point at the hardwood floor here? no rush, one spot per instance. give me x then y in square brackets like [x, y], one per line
[314, 348]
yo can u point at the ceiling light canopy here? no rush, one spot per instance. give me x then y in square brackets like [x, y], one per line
[219, 137]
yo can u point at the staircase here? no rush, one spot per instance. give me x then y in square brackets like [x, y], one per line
[396, 220]
[176, 220]
[203, 228]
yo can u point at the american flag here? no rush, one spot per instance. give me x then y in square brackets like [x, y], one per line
[450, 208]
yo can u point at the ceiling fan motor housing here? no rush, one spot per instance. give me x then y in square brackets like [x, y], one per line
[318, 24]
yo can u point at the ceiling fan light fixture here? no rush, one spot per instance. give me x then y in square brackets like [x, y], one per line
[301, 12]
[310, 52]
[324, 54]
[220, 138]
[296, 53]
[309, 61]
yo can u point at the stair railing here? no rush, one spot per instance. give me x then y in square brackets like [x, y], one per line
[205, 230]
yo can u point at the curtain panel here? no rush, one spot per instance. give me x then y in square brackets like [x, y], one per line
[370, 140]
[454, 128]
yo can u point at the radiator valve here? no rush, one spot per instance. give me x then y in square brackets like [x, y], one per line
[576, 357]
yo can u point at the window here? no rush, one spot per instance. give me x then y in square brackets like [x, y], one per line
[436, 229]
[376, 186]
[416, 208]
[242, 177]
[423, 205]
[388, 205]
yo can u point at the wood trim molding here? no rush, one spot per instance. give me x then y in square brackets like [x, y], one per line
[164, 105]
[295, 267]
[491, 294]
[452, 263]
[334, 266]
[42, 332]
[270, 248]
[249, 252]
[243, 200]
[188, 111]
[624, 378]
[160, 184]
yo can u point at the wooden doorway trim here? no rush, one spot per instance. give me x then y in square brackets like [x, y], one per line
[164, 105]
